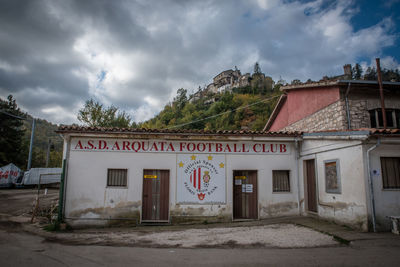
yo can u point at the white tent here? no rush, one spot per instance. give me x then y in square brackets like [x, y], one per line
[9, 175]
[45, 175]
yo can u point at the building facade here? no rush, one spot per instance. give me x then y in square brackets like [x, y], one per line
[166, 176]
[335, 105]
[150, 176]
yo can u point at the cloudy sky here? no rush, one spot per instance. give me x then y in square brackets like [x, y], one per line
[55, 54]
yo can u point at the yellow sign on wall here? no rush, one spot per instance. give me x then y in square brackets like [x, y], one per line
[240, 177]
[150, 176]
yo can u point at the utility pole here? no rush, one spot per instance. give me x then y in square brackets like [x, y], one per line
[48, 153]
[31, 145]
[378, 68]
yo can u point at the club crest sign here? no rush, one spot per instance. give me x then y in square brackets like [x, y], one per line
[201, 178]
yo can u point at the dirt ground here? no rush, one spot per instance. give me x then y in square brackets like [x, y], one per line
[16, 205]
[20, 202]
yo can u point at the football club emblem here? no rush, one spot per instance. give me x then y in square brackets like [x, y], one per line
[201, 178]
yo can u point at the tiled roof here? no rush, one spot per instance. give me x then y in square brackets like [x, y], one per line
[330, 83]
[374, 131]
[361, 131]
[83, 129]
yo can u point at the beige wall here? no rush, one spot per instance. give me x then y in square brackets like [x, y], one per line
[350, 205]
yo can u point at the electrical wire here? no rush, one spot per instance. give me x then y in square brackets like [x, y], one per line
[9, 114]
[222, 113]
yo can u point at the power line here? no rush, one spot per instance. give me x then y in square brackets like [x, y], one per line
[9, 114]
[222, 113]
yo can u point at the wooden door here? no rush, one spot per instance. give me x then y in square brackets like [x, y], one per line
[245, 200]
[311, 185]
[155, 195]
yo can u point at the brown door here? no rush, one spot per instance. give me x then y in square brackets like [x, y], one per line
[155, 195]
[311, 186]
[245, 200]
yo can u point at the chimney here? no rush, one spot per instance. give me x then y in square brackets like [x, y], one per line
[347, 72]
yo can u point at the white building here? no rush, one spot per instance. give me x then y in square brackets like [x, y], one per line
[174, 176]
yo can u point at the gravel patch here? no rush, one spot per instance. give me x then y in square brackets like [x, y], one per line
[277, 235]
[283, 235]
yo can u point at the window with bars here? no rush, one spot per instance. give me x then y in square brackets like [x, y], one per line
[117, 177]
[390, 172]
[332, 178]
[280, 181]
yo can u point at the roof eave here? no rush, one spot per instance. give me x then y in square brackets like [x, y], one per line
[275, 112]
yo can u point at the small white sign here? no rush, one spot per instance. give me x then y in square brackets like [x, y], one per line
[238, 181]
[249, 188]
[243, 188]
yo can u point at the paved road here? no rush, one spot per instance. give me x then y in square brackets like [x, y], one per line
[23, 249]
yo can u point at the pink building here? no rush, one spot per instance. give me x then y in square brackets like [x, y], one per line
[335, 105]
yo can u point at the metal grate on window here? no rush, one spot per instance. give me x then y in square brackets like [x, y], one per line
[117, 177]
[280, 181]
[390, 172]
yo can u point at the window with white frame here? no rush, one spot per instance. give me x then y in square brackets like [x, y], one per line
[332, 176]
[280, 181]
[117, 177]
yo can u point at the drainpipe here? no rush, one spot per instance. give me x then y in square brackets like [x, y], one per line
[371, 187]
[347, 106]
[297, 147]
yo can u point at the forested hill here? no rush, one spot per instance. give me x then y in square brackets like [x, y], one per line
[44, 131]
[247, 107]
[15, 138]
[243, 108]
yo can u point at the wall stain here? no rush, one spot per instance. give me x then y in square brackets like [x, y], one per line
[121, 208]
[337, 205]
[278, 208]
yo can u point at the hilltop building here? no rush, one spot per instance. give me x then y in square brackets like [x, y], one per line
[227, 80]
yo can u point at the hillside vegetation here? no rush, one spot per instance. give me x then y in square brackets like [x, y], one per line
[15, 129]
[44, 131]
[246, 107]
[234, 110]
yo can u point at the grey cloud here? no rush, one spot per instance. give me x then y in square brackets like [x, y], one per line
[151, 48]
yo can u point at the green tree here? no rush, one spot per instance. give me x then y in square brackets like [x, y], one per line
[257, 69]
[95, 114]
[370, 74]
[295, 82]
[180, 99]
[11, 133]
[357, 72]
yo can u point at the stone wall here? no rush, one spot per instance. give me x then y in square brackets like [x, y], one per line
[359, 115]
[332, 117]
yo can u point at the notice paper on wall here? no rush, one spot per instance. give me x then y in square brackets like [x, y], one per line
[249, 188]
[238, 182]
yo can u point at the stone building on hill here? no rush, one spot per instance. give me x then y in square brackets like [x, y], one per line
[227, 80]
